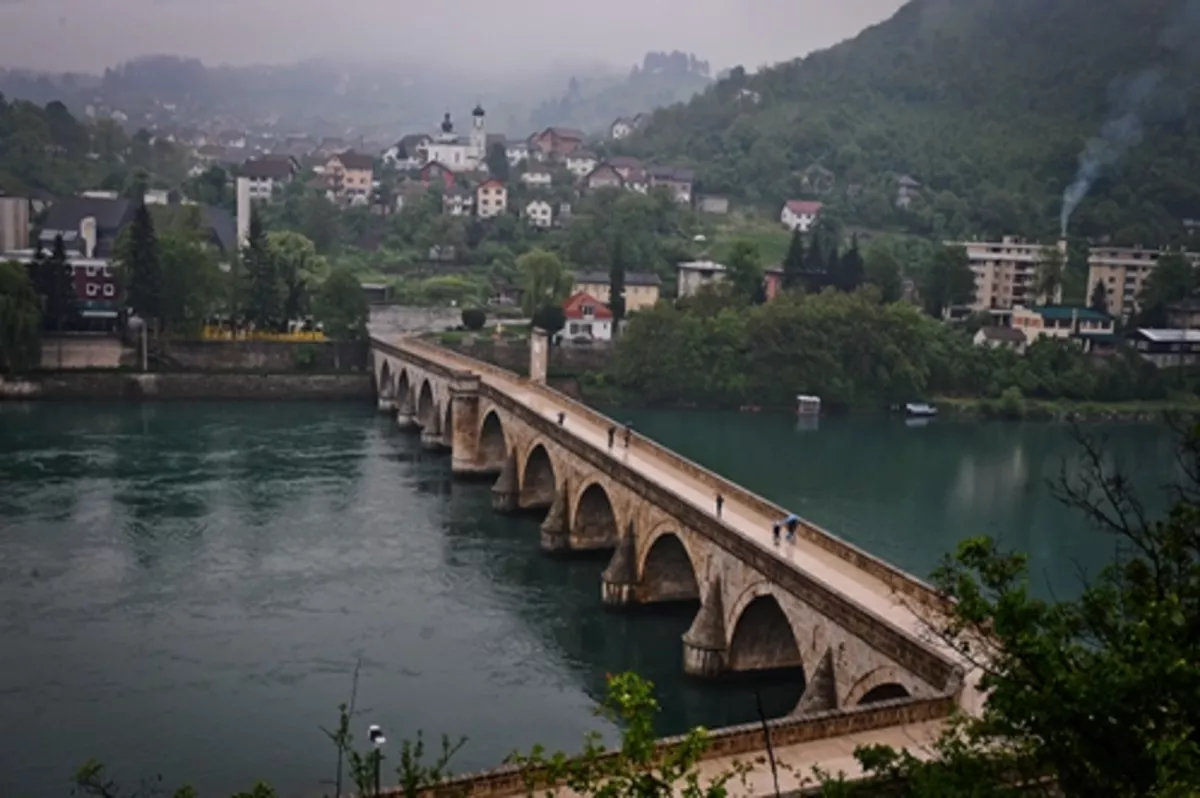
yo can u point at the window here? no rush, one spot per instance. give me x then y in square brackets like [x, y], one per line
[92, 289]
[588, 311]
[92, 270]
[107, 271]
[110, 289]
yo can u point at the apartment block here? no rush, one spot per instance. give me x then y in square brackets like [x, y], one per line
[1123, 271]
[1006, 272]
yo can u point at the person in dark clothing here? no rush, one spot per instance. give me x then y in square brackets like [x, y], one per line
[628, 433]
[562, 418]
[791, 522]
[775, 532]
[720, 504]
[612, 436]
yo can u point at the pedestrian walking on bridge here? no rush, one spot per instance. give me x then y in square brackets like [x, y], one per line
[791, 522]
[562, 418]
[775, 532]
[612, 436]
[628, 432]
[720, 504]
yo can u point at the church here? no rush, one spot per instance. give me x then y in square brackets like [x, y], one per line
[460, 153]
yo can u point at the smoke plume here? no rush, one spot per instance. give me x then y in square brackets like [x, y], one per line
[1122, 131]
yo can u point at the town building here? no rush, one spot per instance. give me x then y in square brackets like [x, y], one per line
[491, 199]
[907, 189]
[677, 181]
[410, 152]
[622, 128]
[626, 166]
[712, 204]
[581, 162]
[641, 290]
[516, 152]
[460, 153]
[457, 201]
[556, 143]
[351, 176]
[603, 176]
[1061, 321]
[267, 173]
[800, 214]
[693, 275]
[587, 318]
[773, 281]
[1006, 273]
[1000, 338]
[1167, 348]
[539, 213]
[1123, 271]
[537, 175]
[14, 223]
[436, 172]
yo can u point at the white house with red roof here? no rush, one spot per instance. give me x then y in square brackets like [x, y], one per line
[800, 214]
[587, 318]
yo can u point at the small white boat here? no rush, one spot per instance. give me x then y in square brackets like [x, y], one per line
[919, 410]
[808, 405]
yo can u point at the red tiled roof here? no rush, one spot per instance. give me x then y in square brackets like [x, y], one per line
[802, 207]
[573, 307]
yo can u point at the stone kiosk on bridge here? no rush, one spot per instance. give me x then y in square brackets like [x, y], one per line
[843, 621]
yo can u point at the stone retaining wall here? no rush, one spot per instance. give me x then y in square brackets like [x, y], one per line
[127, 385]
[266, 356]
[746, 739]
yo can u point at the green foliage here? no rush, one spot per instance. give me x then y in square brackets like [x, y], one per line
[616, 281]
[550, 318]
[298, 267]
[793, 262]
[264, 289]
[474, 318]
[305, 357]
[949, 281]
[1099, 298]
[54, 281]
[957, 96]
[193, 286]
[20, 319]
[1050, 274]
[744, 272]
[1173, 279]
[850, 349]
[639, 768]
[143, 268]
[497, 161]
[543, 278]
[881, 269]
[341, 306]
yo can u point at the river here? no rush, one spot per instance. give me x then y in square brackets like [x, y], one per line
[185, 588]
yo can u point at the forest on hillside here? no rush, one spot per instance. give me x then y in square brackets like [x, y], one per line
[988, 105]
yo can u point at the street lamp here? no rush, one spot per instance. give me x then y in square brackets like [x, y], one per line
[375, 734]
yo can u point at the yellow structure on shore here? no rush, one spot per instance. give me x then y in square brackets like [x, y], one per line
[214, 333]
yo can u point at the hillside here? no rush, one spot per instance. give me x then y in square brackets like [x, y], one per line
[591, 104]
[987, 103]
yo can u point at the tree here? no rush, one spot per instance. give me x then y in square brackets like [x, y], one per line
[20, 319]
[474, 318]
[1096, 692]
[497, 161]
[616, 282]
[54, 282]
[793, 262]
[1099, 300]
[550, 318]
[264, 291]
[744, 272]
[341, 306]
[297, 267]
[637, 769]
[816, 267]
[543, 279]
[881, 269]
[1048, 281]
[1172, 279]
[948, 281]
[143, 270]
[851, 268]
[193, 285]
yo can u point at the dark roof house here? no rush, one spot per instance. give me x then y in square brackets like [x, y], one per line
[66, 217]
[270, 167]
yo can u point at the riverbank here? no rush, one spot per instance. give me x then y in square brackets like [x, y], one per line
[1021, 409]
[122, 384]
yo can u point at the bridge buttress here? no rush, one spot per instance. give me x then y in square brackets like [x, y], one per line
[619, 580]
[506, 493]
[704, 646]
[554, 529]
[431, 433]
[464, 424]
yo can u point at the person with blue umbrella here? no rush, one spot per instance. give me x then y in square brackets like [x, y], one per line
[791, 522]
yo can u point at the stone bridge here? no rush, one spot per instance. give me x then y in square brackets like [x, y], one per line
[844, 621]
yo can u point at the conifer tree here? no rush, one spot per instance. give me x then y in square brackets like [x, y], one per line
[144, 267]
[793, 263]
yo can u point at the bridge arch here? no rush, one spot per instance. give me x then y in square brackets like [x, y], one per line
[667, 571]
[595, 524]
[882, 684]
[384, 384]
[538, 479]
[426, 405]
[493, 442]
[762, 637]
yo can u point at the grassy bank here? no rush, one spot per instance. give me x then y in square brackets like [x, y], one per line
[1017, 408]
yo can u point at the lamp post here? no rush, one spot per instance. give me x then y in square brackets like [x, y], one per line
[375, 733]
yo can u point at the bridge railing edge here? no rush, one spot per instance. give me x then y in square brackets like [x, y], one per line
[895, 578]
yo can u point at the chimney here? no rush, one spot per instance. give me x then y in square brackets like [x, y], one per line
[1062, 246]
[87, 231]
[243, 211]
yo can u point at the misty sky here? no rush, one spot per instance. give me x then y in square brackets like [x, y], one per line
[88, 35]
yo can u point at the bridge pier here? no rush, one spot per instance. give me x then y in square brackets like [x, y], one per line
[431, 434]
[704, 648]
[386, 404]
[554, 530]
[406, 417]
[506, 492]
[618, 583]
[464, 422]
[820, 693]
